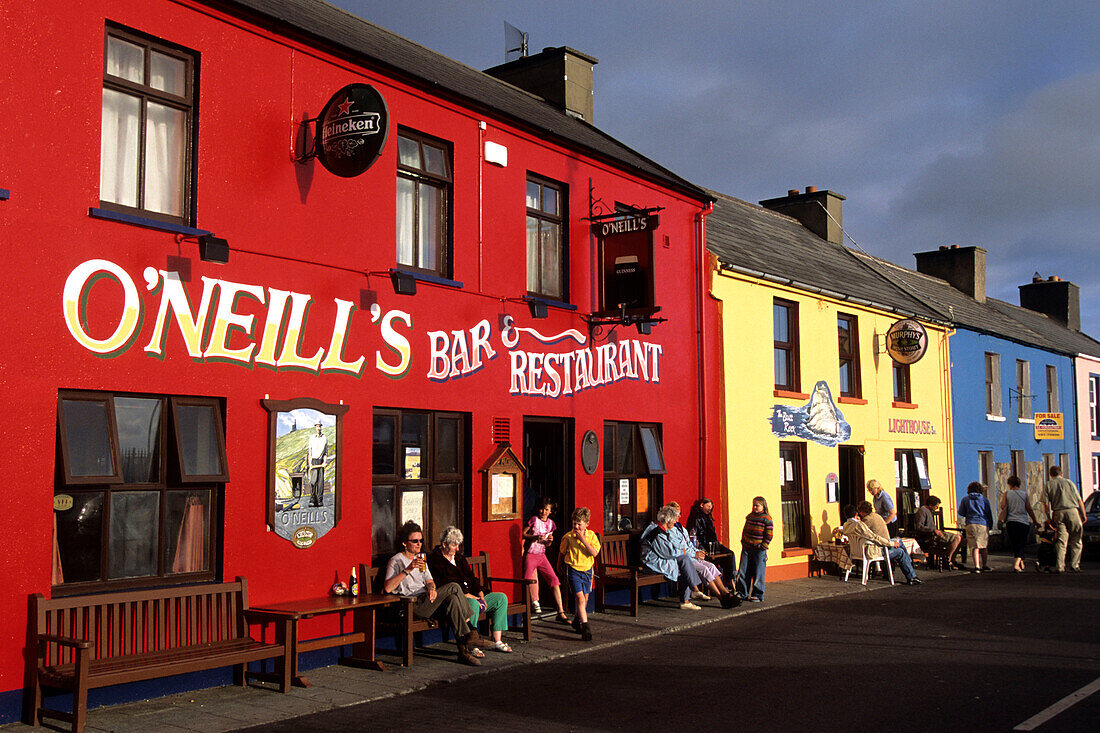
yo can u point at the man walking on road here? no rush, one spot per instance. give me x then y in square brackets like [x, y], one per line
[1067, 514]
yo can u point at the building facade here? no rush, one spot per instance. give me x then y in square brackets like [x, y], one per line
[284, 280]
[1088, 420]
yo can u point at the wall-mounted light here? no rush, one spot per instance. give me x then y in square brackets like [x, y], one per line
[644, 327]
[403, 282]
[538, 308]
[213, 249]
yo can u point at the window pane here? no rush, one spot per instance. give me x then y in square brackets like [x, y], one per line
[414, 444]
[383, 521]
[383, 445]
[624, 450]
[431, 203]
[119, 147]
[139, 427]
[844, 337]
[198, 440]
[187, 530]
[445, 507]
[164, 164]
[609, 447]
[845, 378]
[781, 376]
[88, 437]
[551, 260]
[781, 326]
[406, 224]
[435, 160]
[125, 60]
[446, 446]
[532, 254]
[79, 534]
[135, 522]
[533, 196]
[550, 200]
[651, 444]
[408, 152]
[167, 74]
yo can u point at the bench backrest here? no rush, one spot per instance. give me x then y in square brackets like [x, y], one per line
[615, 550]
[135, 622]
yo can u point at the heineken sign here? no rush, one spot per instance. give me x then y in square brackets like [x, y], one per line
[351, 130]
[906, 341]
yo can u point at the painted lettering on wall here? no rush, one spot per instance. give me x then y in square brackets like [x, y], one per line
[911, 427]
[216, 326]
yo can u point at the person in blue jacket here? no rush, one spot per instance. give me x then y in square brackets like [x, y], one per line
[975, 509]
[660, 554]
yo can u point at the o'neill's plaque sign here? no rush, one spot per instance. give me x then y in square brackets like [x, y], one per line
[906, 341]
[351, 130]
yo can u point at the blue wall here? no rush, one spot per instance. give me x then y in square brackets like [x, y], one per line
[974, 432]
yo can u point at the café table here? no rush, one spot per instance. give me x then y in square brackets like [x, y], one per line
[285, 616]
[837, 552]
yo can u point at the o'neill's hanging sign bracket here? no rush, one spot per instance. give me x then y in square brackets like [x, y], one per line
[906, 341]
[350, 131]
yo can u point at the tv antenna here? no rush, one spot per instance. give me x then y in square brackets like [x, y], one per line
[515, 43]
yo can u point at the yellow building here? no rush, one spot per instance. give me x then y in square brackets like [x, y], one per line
[808, 387]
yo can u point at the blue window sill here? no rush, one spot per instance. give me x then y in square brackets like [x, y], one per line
[425, 277]
[550, 303]
[142, 221]
[5, 194]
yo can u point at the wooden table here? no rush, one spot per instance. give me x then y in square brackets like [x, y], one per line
[286, 616]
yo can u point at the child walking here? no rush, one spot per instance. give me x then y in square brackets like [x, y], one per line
[538, 535]
[578, 551]
[755, 538]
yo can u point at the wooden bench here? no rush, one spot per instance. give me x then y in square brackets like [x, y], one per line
[619, 568]
[84, 642]
[406, 624]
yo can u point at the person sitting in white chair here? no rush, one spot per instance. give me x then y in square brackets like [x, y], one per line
[860, 534]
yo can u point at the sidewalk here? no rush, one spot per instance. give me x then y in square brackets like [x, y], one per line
[232, 707]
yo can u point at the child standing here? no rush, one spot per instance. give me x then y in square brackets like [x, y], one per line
[538, 535]
[755, 538]
[578, 551]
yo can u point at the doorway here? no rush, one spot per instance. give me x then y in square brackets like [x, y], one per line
[850, 475]
[548, 455]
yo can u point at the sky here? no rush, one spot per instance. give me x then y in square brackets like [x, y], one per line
[955, 122]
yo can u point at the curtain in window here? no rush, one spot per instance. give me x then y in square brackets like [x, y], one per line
[190, 554]
[118, 149]
[164, 135]
[405, 207]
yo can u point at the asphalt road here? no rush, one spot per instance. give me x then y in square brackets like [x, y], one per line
[970, 652]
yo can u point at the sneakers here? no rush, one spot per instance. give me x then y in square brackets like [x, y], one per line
[915, 581]
[586, 633]
[535, 607]
[688, 605]
[698, 595]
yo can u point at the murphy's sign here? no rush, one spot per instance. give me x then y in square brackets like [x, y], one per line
[351, 130]
[906, 341]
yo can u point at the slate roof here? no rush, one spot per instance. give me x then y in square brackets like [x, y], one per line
[777, 247]
[372, 46]
[760, 241]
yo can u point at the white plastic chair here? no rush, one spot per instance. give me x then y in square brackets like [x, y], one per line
[866, 561]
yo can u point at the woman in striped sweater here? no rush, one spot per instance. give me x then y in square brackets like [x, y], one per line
[755, 539]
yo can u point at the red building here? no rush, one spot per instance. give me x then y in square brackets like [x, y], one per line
[195, 290]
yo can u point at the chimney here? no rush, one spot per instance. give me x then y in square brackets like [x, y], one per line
[810, 209]
[962, 267]
[1060, 299]
[561, 76]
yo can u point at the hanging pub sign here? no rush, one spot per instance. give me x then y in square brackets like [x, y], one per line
[906, 341]
[626, 263]
[352, 130]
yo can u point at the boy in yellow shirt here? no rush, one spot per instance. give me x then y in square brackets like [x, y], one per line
[578, 551]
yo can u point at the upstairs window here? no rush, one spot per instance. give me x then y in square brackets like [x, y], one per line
[545, 239]
[848, 345]
[424, 184]
[137, 490]
[1052, 388]
[1094, 404]
[785, 334]
[993, 385]
[1023, 389]
[147, 133]
[903, 389]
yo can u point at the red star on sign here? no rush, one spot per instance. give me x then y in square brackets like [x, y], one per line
[345, 106]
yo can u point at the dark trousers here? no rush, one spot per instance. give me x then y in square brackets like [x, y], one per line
[449, 606]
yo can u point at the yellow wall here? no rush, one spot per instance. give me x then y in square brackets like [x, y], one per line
[752, 450]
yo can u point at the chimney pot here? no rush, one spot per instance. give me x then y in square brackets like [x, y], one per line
[792, 192]
[954, 246]
[943, 248]
[811, 189]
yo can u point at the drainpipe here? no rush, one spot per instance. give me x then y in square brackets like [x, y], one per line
[700, 263]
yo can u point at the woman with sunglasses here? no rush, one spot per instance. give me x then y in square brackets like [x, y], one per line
[407, 575]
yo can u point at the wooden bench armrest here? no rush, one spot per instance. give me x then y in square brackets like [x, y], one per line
[65, 641]
[260, 617]
[522, 581]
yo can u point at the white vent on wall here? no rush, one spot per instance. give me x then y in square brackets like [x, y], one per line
[496, 154]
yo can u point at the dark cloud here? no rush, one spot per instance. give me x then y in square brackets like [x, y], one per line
[942, 122]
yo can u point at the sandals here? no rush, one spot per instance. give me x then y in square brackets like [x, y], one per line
[477, 653]
[500, 646]
[561, 618]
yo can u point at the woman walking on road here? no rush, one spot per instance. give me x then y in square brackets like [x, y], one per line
[1017, 515]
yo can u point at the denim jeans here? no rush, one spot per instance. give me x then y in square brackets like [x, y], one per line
[753, 561]
[901, 557]
[689, 578]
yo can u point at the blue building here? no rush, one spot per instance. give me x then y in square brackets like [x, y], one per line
[1008, 364]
